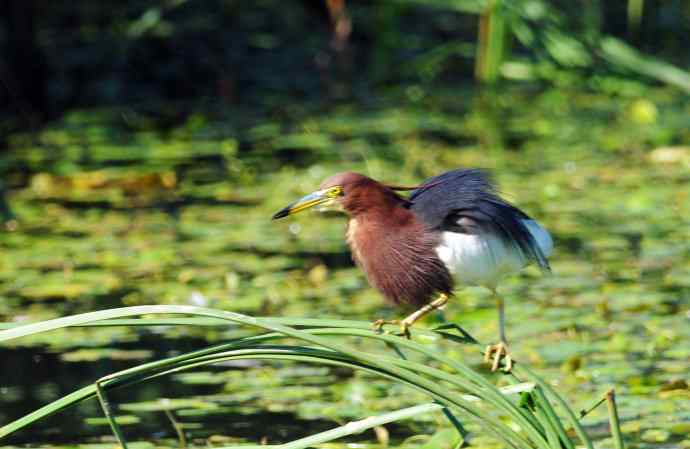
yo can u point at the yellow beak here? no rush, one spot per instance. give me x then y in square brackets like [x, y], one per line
[311, 200]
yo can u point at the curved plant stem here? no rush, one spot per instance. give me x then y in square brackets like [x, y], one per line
[449, 387]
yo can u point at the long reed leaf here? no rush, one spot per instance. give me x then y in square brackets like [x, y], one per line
[446, 388]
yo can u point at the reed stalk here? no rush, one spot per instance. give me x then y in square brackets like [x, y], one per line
[449, 382]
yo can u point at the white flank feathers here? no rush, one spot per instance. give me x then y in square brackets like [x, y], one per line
[475, 259]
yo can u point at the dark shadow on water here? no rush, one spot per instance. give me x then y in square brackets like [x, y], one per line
[335, 259]
[155, 205]
[33, 377]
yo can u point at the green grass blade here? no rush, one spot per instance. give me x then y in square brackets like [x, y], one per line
[499, 429]
[614, 422]
[570, 415]
[361, 425]
[109, 415]
[619, 53]
[553, 420]
[478, 383]
[439, 384]
[438, 392]
[49, 409]
[496, 427]
[301, 355]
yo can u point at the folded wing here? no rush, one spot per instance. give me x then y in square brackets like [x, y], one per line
[465, 202]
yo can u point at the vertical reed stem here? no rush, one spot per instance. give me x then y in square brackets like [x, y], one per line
[492, 42]
[108, 412]
[613, 419]
[635, 10]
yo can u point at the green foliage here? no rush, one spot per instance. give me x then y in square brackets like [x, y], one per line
[182, 216]
[167, 55]
[162, 193]
[455, 387]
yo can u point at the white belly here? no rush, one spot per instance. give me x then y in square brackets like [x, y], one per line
[483, 259]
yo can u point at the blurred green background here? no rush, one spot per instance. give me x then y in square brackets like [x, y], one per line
[145, 145]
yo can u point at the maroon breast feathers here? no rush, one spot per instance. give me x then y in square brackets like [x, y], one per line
[397, 253]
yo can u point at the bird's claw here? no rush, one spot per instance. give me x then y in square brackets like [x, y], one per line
[404, 326]
[499, 351]
[405, 329]
[378, 324]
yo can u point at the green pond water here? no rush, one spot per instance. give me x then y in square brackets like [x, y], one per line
[108, 208]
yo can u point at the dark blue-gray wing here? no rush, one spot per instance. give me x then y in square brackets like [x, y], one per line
[465, 201]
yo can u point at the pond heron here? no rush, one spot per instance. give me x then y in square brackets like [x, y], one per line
[453, 227]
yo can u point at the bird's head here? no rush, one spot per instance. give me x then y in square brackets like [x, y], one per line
[349, 192]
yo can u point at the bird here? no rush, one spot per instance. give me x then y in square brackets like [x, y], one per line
[452, 229]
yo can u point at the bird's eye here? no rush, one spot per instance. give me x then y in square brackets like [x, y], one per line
[334, 192]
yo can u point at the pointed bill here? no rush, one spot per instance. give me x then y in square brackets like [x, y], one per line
[306, 202]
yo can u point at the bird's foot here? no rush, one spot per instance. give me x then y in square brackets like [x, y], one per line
[498, 351]
[405, 329]
[404, 326]
[378, 324]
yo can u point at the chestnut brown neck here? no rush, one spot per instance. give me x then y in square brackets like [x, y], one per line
[369, 197]
[394, 249]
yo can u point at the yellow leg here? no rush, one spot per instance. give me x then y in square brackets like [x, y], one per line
[407, 323]
[499, 350]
